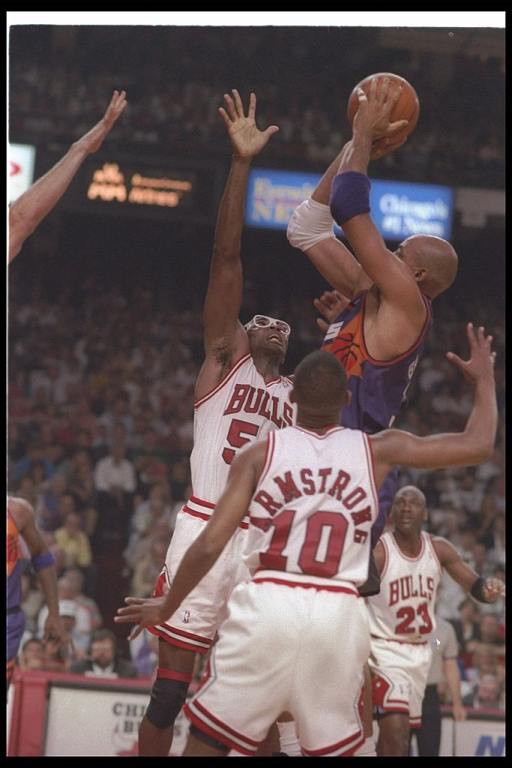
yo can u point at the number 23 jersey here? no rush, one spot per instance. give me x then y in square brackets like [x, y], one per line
[404, 609]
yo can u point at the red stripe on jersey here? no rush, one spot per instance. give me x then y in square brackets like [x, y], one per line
[336, 747]
[223, 381]
[306, 585]
[204, 728]
[204, 516]
[182, 633]
[201, 650]
[402, 642]
[217, 721]
[169, 674]
[202, 502]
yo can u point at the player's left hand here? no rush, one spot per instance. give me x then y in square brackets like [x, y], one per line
[142, 611]
[493, 589]
[93, 140]
[54, 630]
[246, 137]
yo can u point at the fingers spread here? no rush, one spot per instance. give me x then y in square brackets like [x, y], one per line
[238, 103]
[230, 107]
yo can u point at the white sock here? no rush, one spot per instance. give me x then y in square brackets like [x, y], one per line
[367, 748]
[288, 739]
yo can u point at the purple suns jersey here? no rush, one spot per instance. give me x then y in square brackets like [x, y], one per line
[378, 388]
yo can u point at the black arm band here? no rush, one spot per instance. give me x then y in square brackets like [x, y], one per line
[477, 590]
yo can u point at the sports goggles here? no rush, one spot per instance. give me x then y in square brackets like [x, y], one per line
[263, 321]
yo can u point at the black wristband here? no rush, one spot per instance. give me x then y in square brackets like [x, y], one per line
[477, 590]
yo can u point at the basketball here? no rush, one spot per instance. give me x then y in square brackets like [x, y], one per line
[406, 108]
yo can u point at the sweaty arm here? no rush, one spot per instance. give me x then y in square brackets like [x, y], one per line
[27, 212]
[203, 553]
[472, 446]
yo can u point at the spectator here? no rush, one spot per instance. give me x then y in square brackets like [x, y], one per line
[75, 583]
[32, 654]
[32, 600]
[467, 626]
[144, 653]
[78, 618]
[71, 539]
[115, 482]
[59, 659]
[148, 568]
[103, 659]
[485, 695]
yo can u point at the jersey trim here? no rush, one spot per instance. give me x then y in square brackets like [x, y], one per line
[413, 348]
[223, 381]
[371, 471]
[305, 580]
[343, 748]
[203, 510]
[401, 642]
[205, 516]
[386, 556]
[209, 723]
[436, 556]
[407, 557]
[269, 455]
[315, 434]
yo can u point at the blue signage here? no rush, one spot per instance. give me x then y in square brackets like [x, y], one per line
[398, 209]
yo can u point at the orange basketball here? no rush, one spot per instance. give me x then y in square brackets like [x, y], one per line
[406, 108]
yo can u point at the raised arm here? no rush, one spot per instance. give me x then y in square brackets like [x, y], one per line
[203, 553]
[27, 212]
[472, 446]
[350, 202]
[311, 230]
[224, 337]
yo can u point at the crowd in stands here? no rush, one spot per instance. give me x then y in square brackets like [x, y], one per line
[100, 431]
[175, 79]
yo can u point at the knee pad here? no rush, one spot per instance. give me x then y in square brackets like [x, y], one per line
[167, 698]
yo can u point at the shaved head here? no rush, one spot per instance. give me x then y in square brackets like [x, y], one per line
[433, 260]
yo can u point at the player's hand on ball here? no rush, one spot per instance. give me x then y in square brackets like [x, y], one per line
[374, 110]
[246, 137]
[145, 612]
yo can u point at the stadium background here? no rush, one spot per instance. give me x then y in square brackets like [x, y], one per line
[105, 300]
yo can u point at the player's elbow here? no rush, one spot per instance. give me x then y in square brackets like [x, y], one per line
[310, 223]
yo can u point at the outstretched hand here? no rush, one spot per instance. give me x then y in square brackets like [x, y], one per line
[373, 115]
[246, 137]
[330, 305]
[145, 612]
[93, 140]
[481, 362]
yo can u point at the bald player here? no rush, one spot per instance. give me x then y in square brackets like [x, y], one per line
[387, 310]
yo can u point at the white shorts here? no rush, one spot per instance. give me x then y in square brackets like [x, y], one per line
[194, 625]
[399, 672]
[285, 647]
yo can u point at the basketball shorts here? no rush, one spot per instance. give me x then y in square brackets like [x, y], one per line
[194, 625]
[280, 650]
[399, 676]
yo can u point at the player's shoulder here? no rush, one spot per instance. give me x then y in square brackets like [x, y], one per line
[442, 546]
[20, 510]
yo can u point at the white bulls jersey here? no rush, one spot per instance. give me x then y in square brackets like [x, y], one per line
[314, 506]
[241, 409]
[404, 608]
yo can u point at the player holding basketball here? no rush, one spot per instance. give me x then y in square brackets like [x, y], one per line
[381, 333]
[21, 523]
[311, 494]
[402, 619]
[240, 396]
[382, 328]
[28, 211]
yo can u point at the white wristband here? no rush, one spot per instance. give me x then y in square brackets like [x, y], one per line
[310, 223]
